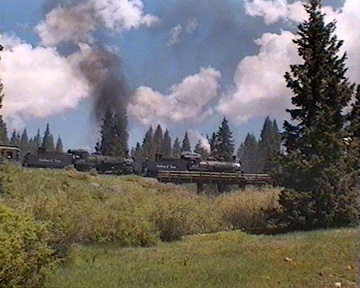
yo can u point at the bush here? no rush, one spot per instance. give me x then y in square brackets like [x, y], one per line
[25, 256]
[248, 209]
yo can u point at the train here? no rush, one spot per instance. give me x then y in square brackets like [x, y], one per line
[84, 161]
[190, 162]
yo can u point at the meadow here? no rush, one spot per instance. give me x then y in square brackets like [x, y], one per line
[74, 229]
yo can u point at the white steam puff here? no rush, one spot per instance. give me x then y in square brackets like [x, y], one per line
[75, 23]
[259, 84]
[38, 82]
[189, 100]
[195, 136]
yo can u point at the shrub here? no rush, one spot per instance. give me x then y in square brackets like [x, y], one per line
[248, 209]
[25, 256]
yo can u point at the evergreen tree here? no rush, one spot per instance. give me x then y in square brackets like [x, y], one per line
[269, 145]
[177, 148]
[37, 139]
[3, 131]
[199, 149]
[225, 143]
[114, 135]
[318, 169]
[147, 145]
[157, 141]
[166, 144]
[354, 117]
[14, 140]
[213, 146]
[137, 151]
[106, 132]
[48, 140]
[120, 135]
[59, 145]
[248, 154]
[24, 141]
[186, 146]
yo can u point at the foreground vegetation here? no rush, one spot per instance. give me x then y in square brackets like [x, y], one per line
[77, 229]
[57, 209]
[225, 259]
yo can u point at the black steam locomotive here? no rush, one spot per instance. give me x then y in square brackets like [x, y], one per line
[188, 162]
[81, 160]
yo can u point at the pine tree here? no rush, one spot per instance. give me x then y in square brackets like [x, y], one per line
[37, 139]
[186, 146]
[3, 131]
[269, 145]
[48, 140]
[137, 154]
[213, 146]
[157, 140]
[14, 140]
[318, 169]
[199, 149]
[354, 117]
[59, 145]
[166, 144]
[177, 148]
[248, 154]
[147, 145]
[120, 135]
[225, 142]
[24, 141]
[114, 135]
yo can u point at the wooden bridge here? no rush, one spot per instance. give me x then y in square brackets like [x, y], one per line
[219, 178]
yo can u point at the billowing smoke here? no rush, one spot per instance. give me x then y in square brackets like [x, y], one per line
[39, 81]
[77, 22]
[102, 69]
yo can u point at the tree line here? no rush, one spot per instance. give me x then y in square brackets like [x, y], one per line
[255, 155]
[31, 144]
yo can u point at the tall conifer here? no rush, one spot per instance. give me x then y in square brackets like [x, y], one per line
[318, 169]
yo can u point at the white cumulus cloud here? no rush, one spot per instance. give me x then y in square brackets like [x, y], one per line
[75, 23]
[189, 100]
[259, 87]
[275, 10]
[38, 82]
[259, 84]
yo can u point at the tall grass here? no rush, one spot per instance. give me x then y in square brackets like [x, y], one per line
[131, 211]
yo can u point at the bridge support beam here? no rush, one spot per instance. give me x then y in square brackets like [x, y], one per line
[200, 188]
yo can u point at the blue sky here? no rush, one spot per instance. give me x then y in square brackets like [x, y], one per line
[187, 63]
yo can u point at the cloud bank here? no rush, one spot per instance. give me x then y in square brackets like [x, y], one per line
[38, 82]
[259, 87]
[189, 100]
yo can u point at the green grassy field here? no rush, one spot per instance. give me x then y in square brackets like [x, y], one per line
[224, 259]
[90, 222]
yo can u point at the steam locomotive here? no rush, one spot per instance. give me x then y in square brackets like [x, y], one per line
[82, 160]
[189, 162]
